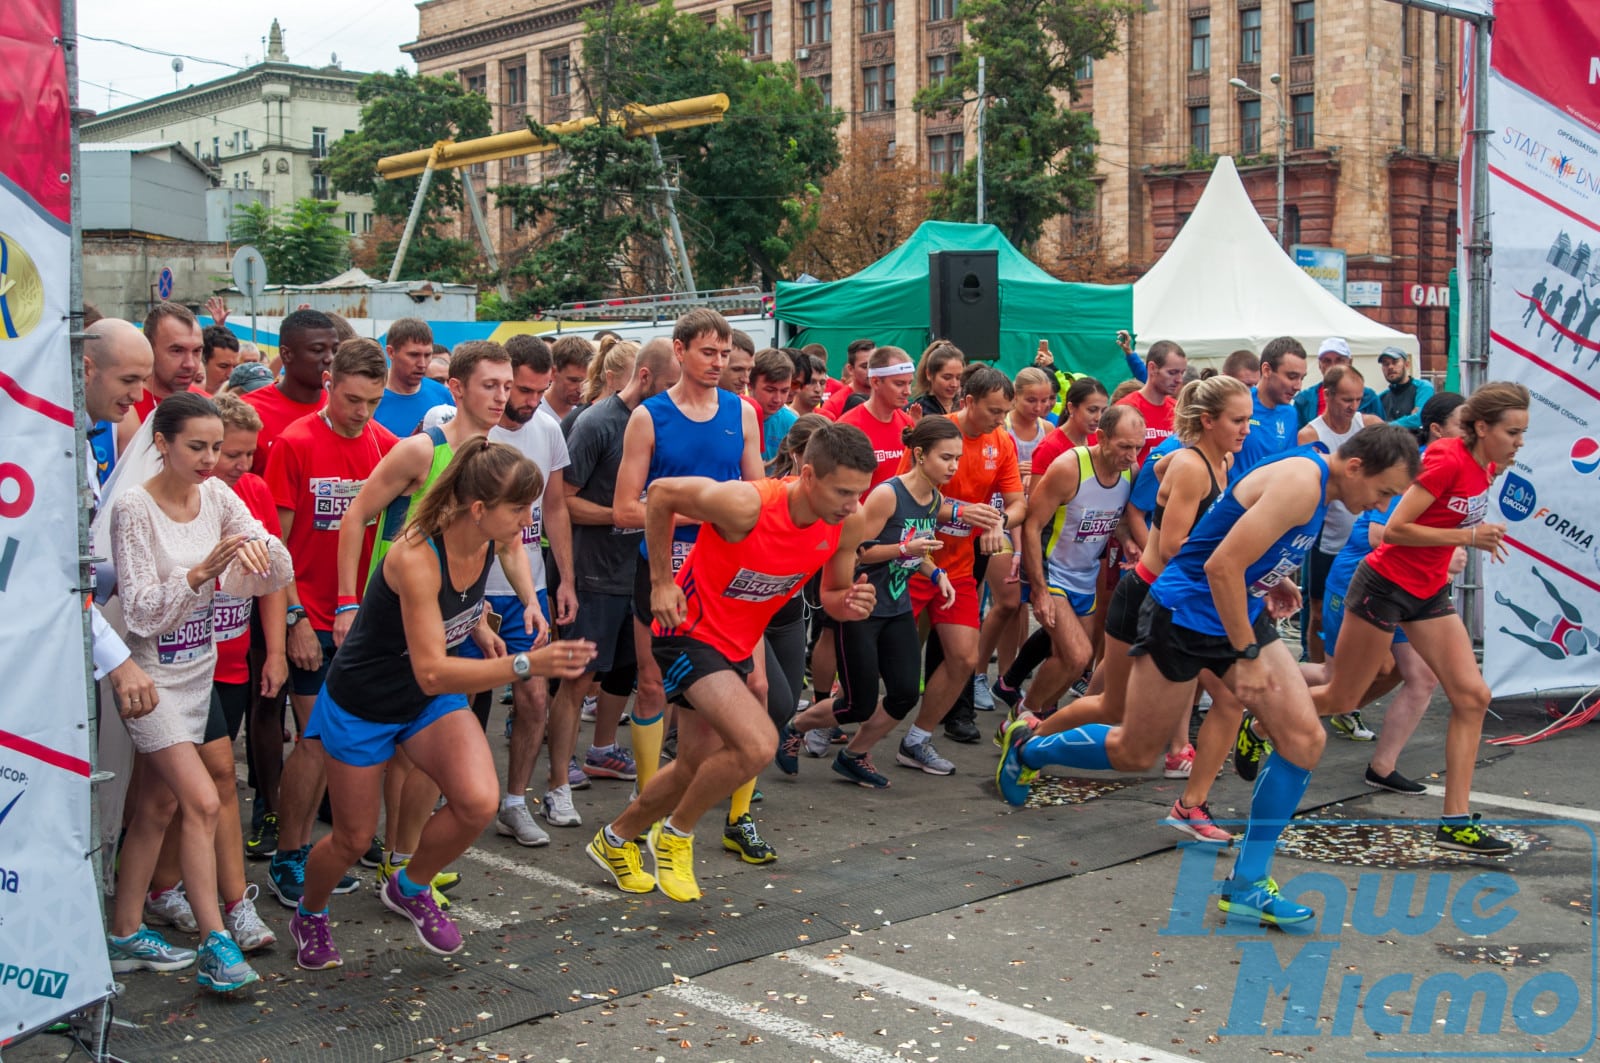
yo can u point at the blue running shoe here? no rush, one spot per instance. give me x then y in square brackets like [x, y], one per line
[1012, 777]
[1261, 900]
[222, 967]
[286, 877]
[146, 950]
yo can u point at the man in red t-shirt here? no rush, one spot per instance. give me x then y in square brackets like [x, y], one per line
[858, 358]
[1165, 364]
[988, 467]
[883, 416]
[306, 342]
[175, 339]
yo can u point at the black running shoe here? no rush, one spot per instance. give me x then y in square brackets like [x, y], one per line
[263, 840]
[1465, 836]
[373, 857]
[1249, 750]
[1394, 782]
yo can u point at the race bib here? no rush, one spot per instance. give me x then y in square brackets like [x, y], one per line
[680, 554]
[230, 617]
[748, 585]
[532, 533]
[189, 641]
[458, 627]
[1097, 524]
[330, 497]
[1472, 510]
[1286, 567]
[956, 529]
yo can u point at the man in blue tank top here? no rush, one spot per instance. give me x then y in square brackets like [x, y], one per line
[1213, 607]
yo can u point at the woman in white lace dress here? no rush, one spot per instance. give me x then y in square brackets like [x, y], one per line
[172, 538]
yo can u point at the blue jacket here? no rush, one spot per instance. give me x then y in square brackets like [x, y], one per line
[1305, 404]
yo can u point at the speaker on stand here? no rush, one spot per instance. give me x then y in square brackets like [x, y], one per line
[964, 301]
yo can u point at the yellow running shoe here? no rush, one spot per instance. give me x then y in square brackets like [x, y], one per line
[623, 863]
[674, 864]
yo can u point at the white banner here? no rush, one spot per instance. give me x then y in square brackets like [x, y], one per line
[1542, 607]
[52, 946]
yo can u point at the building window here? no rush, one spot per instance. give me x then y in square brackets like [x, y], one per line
[1200, 130]
[816, 21]
[319, 142]
[1440, 140]
[1408, 36]
[1304, 109]
[514, 87]
[319, 186]
[1083, 68]
[1200, 43]
[940, 10]
[1249, 127]
[1291, 226]
[349, 221]
[825, 83]
[1305, 27]
[478, 82]
[366, 223]
[947, 153]
[939, 69]
[216, 148]
[1407, 126]
[879, 15]
[560, 68]
[1250, 35]
[758, 31]
[877, 88]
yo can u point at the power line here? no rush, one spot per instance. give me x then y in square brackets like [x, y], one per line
[159, 51]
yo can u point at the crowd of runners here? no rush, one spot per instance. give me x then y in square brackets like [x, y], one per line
[733, 559]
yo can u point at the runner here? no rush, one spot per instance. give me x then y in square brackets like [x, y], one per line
[1339, 420]
[883, 416]
[1165, 364]
[408, 394]
[1273, 421]
[1405, 583]
[858, 385]
[1209, 609]
[938, 380]
[757, 544]
[392, 685]
[307, 341]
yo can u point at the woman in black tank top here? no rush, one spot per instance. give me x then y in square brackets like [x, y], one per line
[396, 681]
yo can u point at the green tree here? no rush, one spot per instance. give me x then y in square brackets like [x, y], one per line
[1039, 158]
[401, 112]
[304, 245]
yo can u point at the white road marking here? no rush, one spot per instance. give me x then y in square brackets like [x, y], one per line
[534, 874]
[970, 1005]
[801, 1033]
[463, 914]
[1523, 804]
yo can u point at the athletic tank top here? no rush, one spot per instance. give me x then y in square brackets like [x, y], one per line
[1211, 496]
[1076, 536]
[371, 676]
[1336, 525]
[910, 520]
[734, 589]
[1183, 586]
[686, 447]
[1025, 447]
[392, 521]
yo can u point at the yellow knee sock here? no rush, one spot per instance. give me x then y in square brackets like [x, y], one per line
[739, 803]
[646, 738]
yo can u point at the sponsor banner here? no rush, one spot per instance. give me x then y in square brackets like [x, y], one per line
[1542, 605]
[52, 949]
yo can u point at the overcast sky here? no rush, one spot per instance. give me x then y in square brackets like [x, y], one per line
[366, 35]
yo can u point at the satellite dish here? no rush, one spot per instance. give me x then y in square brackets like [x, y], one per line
[177, 66]
[333, 60]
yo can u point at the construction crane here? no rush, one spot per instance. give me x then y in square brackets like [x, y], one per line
[635, 120]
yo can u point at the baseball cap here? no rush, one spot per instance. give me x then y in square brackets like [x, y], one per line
[1392, 354]
[248, 376]
[1334, 345]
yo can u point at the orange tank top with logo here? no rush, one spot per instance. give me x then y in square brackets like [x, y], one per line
[734, 589]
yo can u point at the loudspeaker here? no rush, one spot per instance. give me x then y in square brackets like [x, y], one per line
[964, 301]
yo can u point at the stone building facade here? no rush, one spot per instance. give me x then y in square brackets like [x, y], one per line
[1367, 89]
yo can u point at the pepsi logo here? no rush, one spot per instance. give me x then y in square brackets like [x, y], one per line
[1586, 455]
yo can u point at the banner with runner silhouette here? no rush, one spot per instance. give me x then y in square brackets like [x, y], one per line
[52, 945]
[1542, 604]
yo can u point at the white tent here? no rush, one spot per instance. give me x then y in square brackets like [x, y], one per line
[1225, 284]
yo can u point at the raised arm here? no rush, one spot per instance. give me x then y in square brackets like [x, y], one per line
[399, 469]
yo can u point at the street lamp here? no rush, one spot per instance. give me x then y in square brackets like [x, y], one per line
[1283, 126]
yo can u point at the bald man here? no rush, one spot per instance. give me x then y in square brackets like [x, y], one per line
[116, 362]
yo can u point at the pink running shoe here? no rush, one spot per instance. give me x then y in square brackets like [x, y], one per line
[1196, 823]
[438, 934]
[313, 942]
[1179, 765]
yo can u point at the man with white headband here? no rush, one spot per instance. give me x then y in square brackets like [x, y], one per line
[883, 416]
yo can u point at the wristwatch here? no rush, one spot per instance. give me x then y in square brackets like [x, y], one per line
[522, 666]
[295, 615]
[1249, 653]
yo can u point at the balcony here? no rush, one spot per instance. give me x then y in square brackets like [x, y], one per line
[877, 47]
[1250, 74]
[943, 36]
[1408, 74]
[1302, 71]
[1198, 89]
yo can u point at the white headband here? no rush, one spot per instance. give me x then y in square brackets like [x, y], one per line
[893, 369]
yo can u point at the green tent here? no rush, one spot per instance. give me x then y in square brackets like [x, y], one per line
[888, 302]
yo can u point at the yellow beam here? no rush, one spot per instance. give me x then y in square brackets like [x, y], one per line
[635, 120]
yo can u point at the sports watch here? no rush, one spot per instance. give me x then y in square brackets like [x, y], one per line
[522, 666]
[1249, 653]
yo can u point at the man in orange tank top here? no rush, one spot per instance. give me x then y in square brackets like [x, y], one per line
[758, 543]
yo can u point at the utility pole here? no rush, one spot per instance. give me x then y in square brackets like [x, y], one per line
[983, 101]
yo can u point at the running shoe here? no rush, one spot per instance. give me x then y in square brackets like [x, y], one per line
[263, 840]
[1012, 778]
[557, 810]
[816, 742]
[1394, 782]
[434, 929]
[1350, 725]
[1007, 693]
[674, 857]
[788, 756]
[511, 719]
[963, 731]
[286, 878]
[591, 705]
[860, 770]
[622, 862]
[669, 745]
[1196, 822]
[313, 942]
[1203, 705]
[374, 854]
[1080, 689]
[1261, 900]
[577, 778]
[838, 736]
[742, 837]
[1179, 765]
[613, 763]
[923, 757]
[507, 697]
[1466, 836]
[221, 967]
[244, 923]
[982, 699]
[444, 880]
[1249, 750]
[346, 883]
[146, 950]
[170, 908]
[515, 821]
